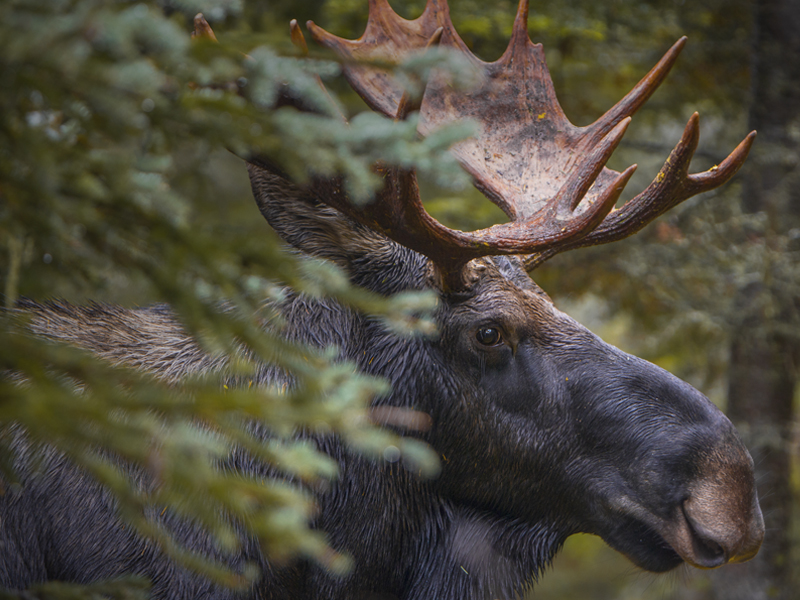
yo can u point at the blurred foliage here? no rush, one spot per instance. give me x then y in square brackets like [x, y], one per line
[113, 126]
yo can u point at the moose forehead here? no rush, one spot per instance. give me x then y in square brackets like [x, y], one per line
[502, 293]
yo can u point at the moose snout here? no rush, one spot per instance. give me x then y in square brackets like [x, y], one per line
[717, 529]
[708, 534]
[721, 520]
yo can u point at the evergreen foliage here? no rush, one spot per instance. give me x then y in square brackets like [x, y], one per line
[112, 118]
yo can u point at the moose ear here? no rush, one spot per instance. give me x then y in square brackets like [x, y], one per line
[307, 224]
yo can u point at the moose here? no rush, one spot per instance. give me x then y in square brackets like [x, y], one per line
[548, 431]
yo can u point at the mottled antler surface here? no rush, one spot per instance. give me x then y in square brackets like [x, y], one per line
[546, 174]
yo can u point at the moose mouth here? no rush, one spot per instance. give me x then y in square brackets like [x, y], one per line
[644, 546]
[661, 545]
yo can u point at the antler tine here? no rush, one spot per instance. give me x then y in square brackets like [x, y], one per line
[202, 29]
[640, 93]
[672, 185]
[708, 180]
[520, 28]
[298, 39]
[408, 102]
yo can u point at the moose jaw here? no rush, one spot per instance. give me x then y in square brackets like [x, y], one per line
[548, 430]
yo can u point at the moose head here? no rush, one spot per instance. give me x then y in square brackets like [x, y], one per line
[544, 430]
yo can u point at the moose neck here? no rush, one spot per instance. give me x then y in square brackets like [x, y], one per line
[448, 544]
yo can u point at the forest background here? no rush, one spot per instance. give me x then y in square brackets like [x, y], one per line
[117, 185]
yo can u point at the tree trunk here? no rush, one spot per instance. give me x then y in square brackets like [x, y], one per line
[762, 363]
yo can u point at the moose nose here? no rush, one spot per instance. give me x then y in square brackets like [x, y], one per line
[717, 524]
[721, 520]
[714, 536]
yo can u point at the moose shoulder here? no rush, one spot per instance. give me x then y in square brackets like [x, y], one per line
[545, 430]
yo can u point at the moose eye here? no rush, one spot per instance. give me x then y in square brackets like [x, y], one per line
[488, 336]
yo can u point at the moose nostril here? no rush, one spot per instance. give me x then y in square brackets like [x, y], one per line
[708, 552]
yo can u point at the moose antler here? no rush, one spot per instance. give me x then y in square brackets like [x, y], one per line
[545, 173]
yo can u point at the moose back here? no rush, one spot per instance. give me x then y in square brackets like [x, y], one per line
[547, 430]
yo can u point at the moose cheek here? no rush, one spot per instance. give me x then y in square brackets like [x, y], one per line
[523, 383]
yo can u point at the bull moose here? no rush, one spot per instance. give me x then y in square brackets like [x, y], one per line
[547, 430]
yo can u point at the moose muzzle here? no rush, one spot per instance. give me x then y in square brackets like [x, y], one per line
[721, 520]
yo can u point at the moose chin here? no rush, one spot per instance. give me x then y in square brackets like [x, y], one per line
[544, 429]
